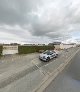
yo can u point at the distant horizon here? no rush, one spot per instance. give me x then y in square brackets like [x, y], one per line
[35, 43]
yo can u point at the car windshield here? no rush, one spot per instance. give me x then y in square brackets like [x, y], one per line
[53, 51]
[47, 52]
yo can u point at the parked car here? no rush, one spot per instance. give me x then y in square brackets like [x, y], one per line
[48, 55]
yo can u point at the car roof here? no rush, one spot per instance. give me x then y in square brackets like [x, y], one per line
[49, 51]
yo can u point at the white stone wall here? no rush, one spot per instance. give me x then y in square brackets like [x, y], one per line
[10, 50]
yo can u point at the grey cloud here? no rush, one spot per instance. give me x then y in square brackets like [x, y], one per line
[18, 32]
[44, 16]
[15, 11]
[67, 16]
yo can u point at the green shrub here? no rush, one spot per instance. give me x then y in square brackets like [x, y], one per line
[1, 50]
[32, 49]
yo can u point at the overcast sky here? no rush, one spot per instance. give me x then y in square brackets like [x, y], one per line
[39, 21]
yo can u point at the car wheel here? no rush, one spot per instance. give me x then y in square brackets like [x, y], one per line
[48, 59]
[56, 56]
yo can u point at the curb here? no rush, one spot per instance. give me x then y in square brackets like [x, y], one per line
[54, 74]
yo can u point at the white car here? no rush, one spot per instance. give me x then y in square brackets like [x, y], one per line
[48, 55]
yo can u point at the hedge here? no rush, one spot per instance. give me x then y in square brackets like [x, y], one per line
[32, 49]
[1, 50]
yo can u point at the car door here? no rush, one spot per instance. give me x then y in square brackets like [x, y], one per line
[52, 55]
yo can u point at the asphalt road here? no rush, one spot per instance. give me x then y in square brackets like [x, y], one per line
[69, 79]
[11, 62]
[31, 79]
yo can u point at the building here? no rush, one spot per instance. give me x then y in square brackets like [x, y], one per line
[59, 45]
[55, 44]
[34, 45]
[66, 46]
[14, 44]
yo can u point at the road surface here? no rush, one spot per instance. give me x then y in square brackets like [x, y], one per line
[30, 79]
[69, 79]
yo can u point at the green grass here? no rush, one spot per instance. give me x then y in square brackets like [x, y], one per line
[32, 49]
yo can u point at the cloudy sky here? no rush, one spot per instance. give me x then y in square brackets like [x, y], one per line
[39, 21]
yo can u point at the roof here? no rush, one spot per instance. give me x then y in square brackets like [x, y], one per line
[55, 43]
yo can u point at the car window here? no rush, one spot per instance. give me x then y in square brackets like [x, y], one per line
[48, 53]
[54, 52]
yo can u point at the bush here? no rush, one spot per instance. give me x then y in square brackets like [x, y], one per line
[32, 49]
[1, 50]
